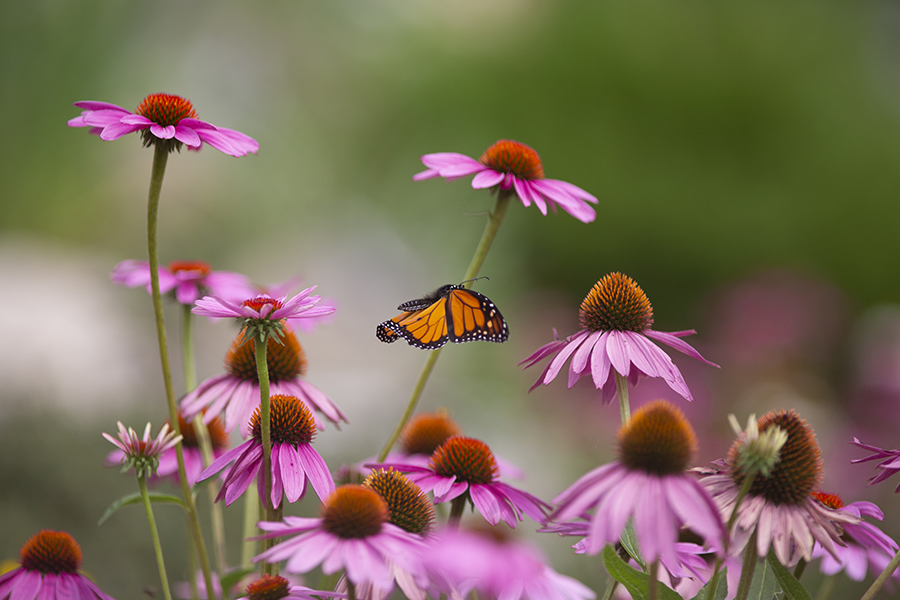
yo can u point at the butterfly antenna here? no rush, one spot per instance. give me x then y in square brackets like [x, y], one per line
[474, 279]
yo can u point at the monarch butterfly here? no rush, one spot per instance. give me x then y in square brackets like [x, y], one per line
[450, 313]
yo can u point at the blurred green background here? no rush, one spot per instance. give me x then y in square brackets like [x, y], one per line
[745, 157]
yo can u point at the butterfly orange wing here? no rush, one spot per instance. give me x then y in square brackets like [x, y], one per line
[472, 316]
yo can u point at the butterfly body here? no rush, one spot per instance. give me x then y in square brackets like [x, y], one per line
[450, 313]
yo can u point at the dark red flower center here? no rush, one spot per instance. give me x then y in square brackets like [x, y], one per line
[217, 436]
[353, 512]
[832, 501]
[51, 552]
[658, 439]
[425, 432]
[616, 303]
[166, 109]
[507, 156]
[799, 470]
[260, 301]
[408, 507]
[468, 459]
[285, 360]
[291, 421]
[177, 266]
[268, 587]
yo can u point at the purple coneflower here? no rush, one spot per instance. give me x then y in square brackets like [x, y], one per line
[866, 544]
[510, 165]
[649, 484]
[236, 393]
[294, 461]
[354, 534]
[264, 307]
[464, 467]
[496, 567]
[49, 571]
[140, 452]
[189, 279]
[616, 317]
[890, 461]
[273, 587]
[161, 119]
[779, 507]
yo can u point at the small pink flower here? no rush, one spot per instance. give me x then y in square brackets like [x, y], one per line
[463, 465]
[140, 452]
[264, 307]
[50, 563]
[189, 279]
[510, 165]
[615, 335]
[273, 587]
[294, 461]
[890, 461]
[162, 118]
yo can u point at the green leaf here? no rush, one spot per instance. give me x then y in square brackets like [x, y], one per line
[629, 542]
[793, 589]
[232, 577]
[135, 498]
[721, 589]
[764, 586]
[634, 581]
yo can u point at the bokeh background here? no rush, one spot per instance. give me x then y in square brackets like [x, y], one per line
[745, 156]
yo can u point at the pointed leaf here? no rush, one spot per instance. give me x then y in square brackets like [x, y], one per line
[721, 589]
[634, 581]
[135, 498]
[629, 542]
[764, 585]
[793, 589]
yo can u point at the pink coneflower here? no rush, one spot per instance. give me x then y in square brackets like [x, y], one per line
[353, 533]
[293, 459]
[510, 165]
[273, 587]
[649, 484]
[464, 467]
[49, 571]
[616, 317]
[497, 567]
[140, 452]
[264, 307]
[890, 461]
[866, 544]
[162, 119]
[189, 279]
[237, 391]
[779, 506]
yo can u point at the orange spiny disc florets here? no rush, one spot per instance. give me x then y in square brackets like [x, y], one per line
[51, 552]
[616, 303]
[190, 265]
[268, 587]
[832, 501]
[166, 109]
[285, 360]
[292, 422]
[408, 507]
[468, 459]
[354, 511]
[425, 432]
[658, 439]
[799, 470]
[216, 428]
[507, 156]
[260, 301]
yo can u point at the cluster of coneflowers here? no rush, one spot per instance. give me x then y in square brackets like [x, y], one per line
[664, 529]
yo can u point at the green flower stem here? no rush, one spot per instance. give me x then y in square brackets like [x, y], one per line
[611, 586]
[495, 218]
[745, 489]
[748, 567]
[192, 562]
[827, 587]
[157, 172]
[250, 548]
[457, 507]
[882, 579]
[653, 582]
[157, 547]
[351, 590]
[260, 345]
[202, 433]
[622, 392]
[798, 570]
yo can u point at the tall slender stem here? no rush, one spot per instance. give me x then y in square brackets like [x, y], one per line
[622, 392]
[157, 173]
[653, 582]
[748, 567]
[457, 507]
[882, 579]
[201, 431]
[249, 547]
[495, 218]
[157, 547]
[260, 344]
[745, 489]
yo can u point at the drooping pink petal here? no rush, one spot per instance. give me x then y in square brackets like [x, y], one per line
[487, 178]
[559, 360]
[673, 340]
[187, 135]
[317, 471]
[27, 586]
[292, 473]
[117, 130]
